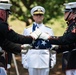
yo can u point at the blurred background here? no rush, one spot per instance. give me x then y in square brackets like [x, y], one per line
[21, 18]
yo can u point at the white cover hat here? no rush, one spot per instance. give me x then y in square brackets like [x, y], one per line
[5, 6]
[37, 10]
[72, 4]
[4, 1]
[67, 6]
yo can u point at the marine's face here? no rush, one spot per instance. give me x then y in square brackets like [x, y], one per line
[68, 16]
[38, 18]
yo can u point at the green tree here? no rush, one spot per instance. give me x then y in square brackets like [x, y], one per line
[21, 8]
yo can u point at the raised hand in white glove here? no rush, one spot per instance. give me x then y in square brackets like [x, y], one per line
[44, 36]
[36, 34]
[25, 48]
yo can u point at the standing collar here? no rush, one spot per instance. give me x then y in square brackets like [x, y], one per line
[38, 25]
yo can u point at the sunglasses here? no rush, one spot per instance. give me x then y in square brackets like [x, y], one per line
[38, 14]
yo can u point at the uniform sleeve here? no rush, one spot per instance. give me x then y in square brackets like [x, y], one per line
[51, 32]
[63, 48]
[11, 47]
[68, 38]
[25, 56]
[63, 40]
[25, 32]
[13, 36]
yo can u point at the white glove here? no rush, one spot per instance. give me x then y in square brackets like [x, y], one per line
[44, 36]
[36, 34]
[53, 60]
[54, 47]
[53, 57]
[25, 48]
[24, 60]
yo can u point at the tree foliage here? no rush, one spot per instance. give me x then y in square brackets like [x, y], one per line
[21, 8]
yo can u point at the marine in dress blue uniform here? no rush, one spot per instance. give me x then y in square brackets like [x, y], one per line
[68, 40]
[9, 39]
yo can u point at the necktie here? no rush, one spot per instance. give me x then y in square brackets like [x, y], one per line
[34, 27]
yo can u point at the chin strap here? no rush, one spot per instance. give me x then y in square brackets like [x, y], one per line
[69, 14]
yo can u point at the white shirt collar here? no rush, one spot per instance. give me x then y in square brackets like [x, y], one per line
[38, 25]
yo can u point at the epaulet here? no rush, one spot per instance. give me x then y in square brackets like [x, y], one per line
[29, 26]
[48, 27]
